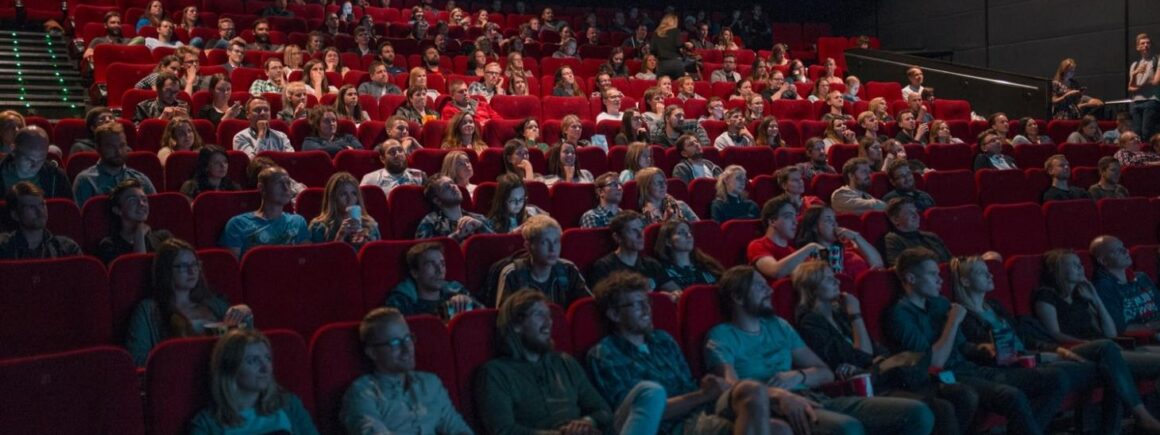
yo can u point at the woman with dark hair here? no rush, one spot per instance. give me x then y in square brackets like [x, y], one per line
[515, 160]
[616, 67]
[768, 133]
[332, 60]
[529, 131]
[128, 209]
[683, 263]
[210, 173]
[1031, 133]
[633, 128]
[179, 135]
[566, 84]
[517, 86]
[181, 303]
[648, 68]
[563, 167]
[509, 207]
[638, 157]
[1088, 131]
[462, 132]
[94, 118]
[348, 107]
[154, 13]
[220, 108]
[846, 250]
[314, 77]
[655, 202]
[324, 132]
[246, 397]
[343, 218]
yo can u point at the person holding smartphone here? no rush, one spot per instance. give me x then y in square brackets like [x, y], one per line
[166, 105]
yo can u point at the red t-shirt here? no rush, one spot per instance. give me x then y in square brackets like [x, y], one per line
[763, 247]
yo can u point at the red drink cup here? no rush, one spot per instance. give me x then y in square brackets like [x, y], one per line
[860, 386]
[1026, 361]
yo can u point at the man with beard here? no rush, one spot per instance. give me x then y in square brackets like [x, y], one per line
[270, 224]
[1060, 172]
[395, 172]
[431, 60]
[902, 179]
[531, 387]
[227, 33]
[609, 190]
[703, 41]
[728, 71]
[166, 105]
[673, 126]
[29, 162]
[735, 134]
[110, 170]
[448, 217]
[853, 197]
[628, 232]
[262, 37]
[492, 83]
[816, 162]
[395, 398]
[275, 78]
[644, 371]
[542, 269]
[460, 102]
[387, 57]
[693, 164]
[112, 34]
[757, 345]
[31, 239]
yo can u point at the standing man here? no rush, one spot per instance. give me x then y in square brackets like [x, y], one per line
[1142, 89]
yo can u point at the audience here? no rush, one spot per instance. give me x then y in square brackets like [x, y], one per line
[736, 134]
[128, 209]
[325, 135]
[1030, 133]
[1109, 184]
[260, 136]
[853, 197]
[1088, 131]
[516, 161]
[991, 153]
[448, 218]
[1060, 172]
[179, 135]
[609, 192]
[166, 105]
[693, 164]
[269, 224]
[683, 262]
[1128, 295]
[542, 269]
[901, 176]
[654, 200]
[294, 102]
[342, 218]
[773, 254]
[628, 232]
[414, 108]
[463, 133]
[793, 186]
[1131, 153]
[31, 238]
[211, 173]
[28, 161]
[509, 206]
[380, 83]
[425, 288]
[111, 169]
[845, 250]
[563, 167]
[731, 201]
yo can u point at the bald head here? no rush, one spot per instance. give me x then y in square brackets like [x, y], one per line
[1109, 252]
[32, 138]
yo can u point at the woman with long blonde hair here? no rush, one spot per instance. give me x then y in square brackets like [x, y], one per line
[179, 135]
[343, 217]
[666, 44]
[457, 167]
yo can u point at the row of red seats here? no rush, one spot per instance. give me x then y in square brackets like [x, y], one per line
[175, 389]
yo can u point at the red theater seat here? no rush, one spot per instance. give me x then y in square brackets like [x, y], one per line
[1003, 187]
[1133, 220]
[569, 201]
[53, 305]
[559, 107]
[211, 211]
[949, 156]
[876, 290]
[755, 160]
[517, 107]
[312, 168]
[960, 227]
[292, 298]
[383, 266]
[1141, 180]
[951, 109]
[698, 311]
[1016, 229]
[357, 162]
[1023, 272]
[588, 326]
[584, 246]
[1071, 224]
[408, 207]
[738, 233]
[474, 339]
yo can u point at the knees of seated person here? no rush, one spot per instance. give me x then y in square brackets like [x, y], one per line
[992, 255]
[650, 396]
[779, 427]
[749, 396]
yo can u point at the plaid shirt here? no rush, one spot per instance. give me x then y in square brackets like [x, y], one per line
[598, 217]
[617, 366]
[436, 224]
[259, 87]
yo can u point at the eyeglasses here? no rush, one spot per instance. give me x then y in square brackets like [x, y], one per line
[612, 185]
[395, 343]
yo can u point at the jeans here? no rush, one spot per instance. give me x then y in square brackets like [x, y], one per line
[1029, 398]
[641, 410]
[874, 415]
[953, 406]
[1146, 118]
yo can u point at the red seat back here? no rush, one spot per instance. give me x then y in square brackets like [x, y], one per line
[1141, 180]
[1071, 224]
[1133, 220]
[1003, 187]
[960, 228]
[738, 233]
[876, 289]
[73, 290]
[755, 160]
[584, 246]
[312, 168]
[211, 211]
[951, 188]
[1016, 229]
[357, 162]
[291, 297]
[698, 311]
[408, 207]
[1023, 274]
[383, 265]
[949, 156]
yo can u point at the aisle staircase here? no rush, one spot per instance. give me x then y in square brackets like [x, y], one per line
[37, 77]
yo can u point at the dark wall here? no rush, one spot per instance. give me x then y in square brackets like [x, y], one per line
[1023, 36]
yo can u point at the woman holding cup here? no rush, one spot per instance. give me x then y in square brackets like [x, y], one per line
[342, 218]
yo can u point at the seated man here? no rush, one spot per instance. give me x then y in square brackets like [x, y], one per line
[609, 191]
[262, 37]
[923, 321]
[1060, 172]
[816, 160]
[644, 371]
[904, 219]
[674, 125]
[628, 232]
[166, 105]
[1130, 297]
[111, 169]
[112, 34]
[902, 179]
[426, 289]
[852, 197]
[128, 211]
[260, 137]
[511, 391]
[693, 163]
[461, 102]
[757, 345]
[395, 398]
[275, 78]
[29, 162]
[448, 217]
[491, 85]
[395, 171]
[773, 254]
[380, 83]
[31, 239]
[735, 134]
[542, 269]
[397, 129]
[269, 225]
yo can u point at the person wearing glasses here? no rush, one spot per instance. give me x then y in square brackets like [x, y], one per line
[395, 398]
[612, 102]
[491, 85]
[609, 190]
[509, 207]
[181, 303]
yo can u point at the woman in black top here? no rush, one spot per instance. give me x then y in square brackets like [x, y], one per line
[830, 322]
[220, 107]
[211, 173]
[666, 45]
[685, 264]
[1086, 365]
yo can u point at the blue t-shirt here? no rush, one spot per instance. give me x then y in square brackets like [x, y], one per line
[276, 422]
[247, 230]
[754, 355]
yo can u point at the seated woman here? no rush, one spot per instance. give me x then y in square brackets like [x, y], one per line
[655, 202]
[743, 91]
[792, 182]
[871, 150]
[684, 264]
[821, 89]
[348, 106]
[463, 133]
[830, 74]
[846, 251]
[210, 173]
[838, 133]
[515, 160]
[616, 65]
[769, 134]
[1030, 134]
[324, 135]
[333, 61]
[294, 102]
[220, 108]
[1067, 95]
[638, 157]
[732, 201]
[529, 130]
[314, 76]
[878, 106]
[1131, 152]
[566, 84]
[567, 50]
[686, 89]
[417, 77]
[517, 86]
[1088, 131]
[830, 323]
[515, 66]
[611, 99]
[343, 218]
[563, 166]
[571, 131]
[246, 396]
[633, 128]
[1088, 365]
[725, 40]
[940, 132]
[509, 207]
[180, 304]
[179, 135]
[457, 167]
[648, 68]
[797, 72]
[414, 108]
[128, 233]
[991, 154]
